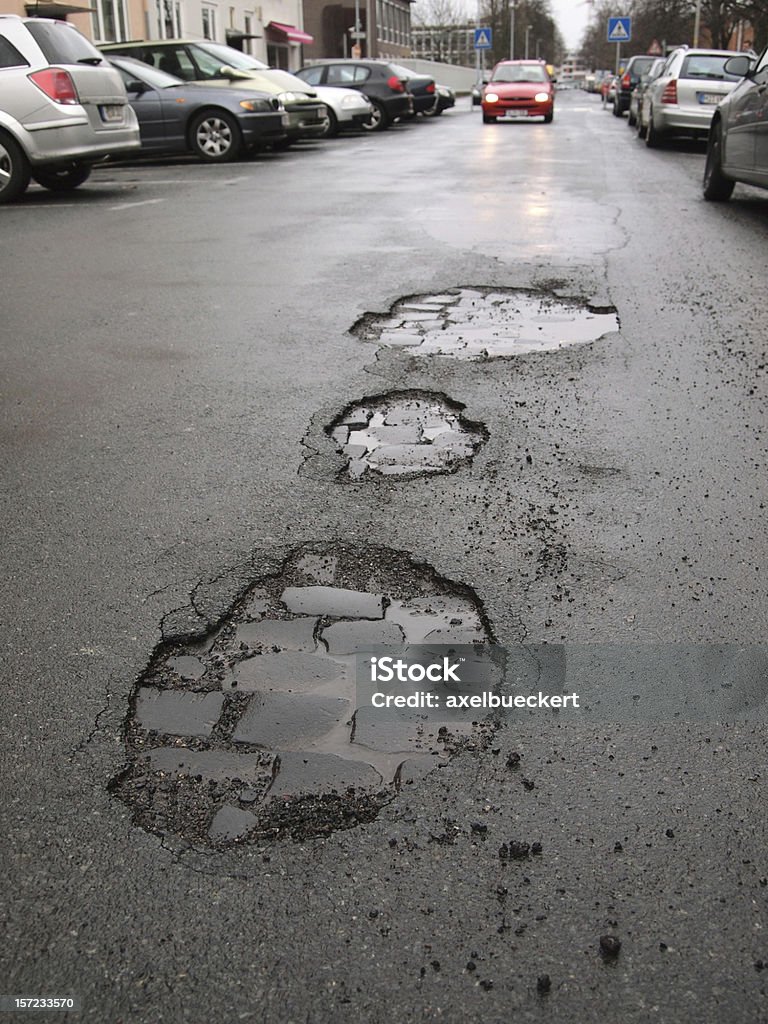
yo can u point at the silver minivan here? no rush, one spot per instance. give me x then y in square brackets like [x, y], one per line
[62, 106]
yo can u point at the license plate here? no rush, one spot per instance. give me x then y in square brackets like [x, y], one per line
[711, 98]
[112, 112]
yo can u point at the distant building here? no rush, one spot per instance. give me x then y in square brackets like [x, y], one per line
[449, 44]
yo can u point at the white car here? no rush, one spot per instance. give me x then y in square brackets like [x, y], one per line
[62, 106]
[683, 99]
[347, 109]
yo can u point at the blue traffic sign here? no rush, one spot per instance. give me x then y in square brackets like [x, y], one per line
[619, 30]
[483, 37]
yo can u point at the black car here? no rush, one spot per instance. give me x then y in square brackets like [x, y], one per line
[214, 124]
[628, 80]
[421, 87]
[377, 79]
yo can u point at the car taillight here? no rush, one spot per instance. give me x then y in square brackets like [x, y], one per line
[56, 84]
[626, 81]
[670, 92]
[395, 84]
[431, 87]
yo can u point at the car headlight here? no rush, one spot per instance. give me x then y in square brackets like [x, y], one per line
[289, 97]
[351, 101]
[491, 97]
[258, 106]
[541, 97]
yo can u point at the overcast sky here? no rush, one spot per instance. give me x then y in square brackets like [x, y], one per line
[571, 17]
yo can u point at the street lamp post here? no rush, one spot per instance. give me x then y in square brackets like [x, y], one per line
[511, 29]
[528, 29]
[697, 24]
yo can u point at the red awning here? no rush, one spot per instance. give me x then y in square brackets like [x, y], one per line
[290, 32]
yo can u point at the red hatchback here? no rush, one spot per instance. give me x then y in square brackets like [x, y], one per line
[519, 87]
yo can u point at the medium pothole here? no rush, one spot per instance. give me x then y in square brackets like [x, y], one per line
[486, 323]
[405, 433]
[253, 732]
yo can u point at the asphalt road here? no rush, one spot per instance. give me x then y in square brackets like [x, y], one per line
[175, 339]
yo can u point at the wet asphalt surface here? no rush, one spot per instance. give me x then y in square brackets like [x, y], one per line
[176, 340]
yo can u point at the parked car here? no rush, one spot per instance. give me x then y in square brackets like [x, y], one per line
[223, 66]
[347, 109]
[627, 81]
[737, 147]
[216, 125]
[477, 89]
[445, 98]
[682, 100]
[636, 100]
[519, 87]
[377, 79]
[421, 87]
[62, 108]
[608, 90]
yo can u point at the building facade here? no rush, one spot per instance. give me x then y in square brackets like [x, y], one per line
[384, 28]
[270, 30]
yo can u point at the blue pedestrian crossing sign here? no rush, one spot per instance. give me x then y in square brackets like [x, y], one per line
[483, 37]
[619, 30]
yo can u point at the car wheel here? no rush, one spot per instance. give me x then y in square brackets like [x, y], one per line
[487, 119]
[717, 188]
[332, 129]
[378, 120]
[14, 170]
[215, 137]
[640, 128]
[548, 118]
[652, 136]
[631, 120]
[616, 108]
[62, 179]
[434, 111]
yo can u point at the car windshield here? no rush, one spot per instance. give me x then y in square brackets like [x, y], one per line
[520, 73]
[135, 70]
[707, 65]
[212, 56]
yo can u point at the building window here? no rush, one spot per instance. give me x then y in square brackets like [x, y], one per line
[209, 22]
[110, 24]
[277, 56]
[169, 19]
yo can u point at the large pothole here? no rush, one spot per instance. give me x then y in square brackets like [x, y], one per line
[486, 323]
[405, 433]
[253, 731]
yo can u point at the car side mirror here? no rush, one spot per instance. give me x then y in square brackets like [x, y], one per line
[135, 87]
[740, 66]
[225, 71]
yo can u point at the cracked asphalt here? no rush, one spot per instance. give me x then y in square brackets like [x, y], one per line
[176, 339]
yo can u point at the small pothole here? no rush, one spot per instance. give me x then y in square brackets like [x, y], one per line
[486, 323]
[253, 732]
[405, 433]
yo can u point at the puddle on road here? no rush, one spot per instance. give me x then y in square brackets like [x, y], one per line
[406, 433]
[253, 732]
[486, 323]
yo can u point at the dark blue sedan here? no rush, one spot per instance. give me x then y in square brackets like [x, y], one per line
[215, 124]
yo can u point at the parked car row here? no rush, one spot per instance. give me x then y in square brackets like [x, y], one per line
[720, 95]
[64, 105]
